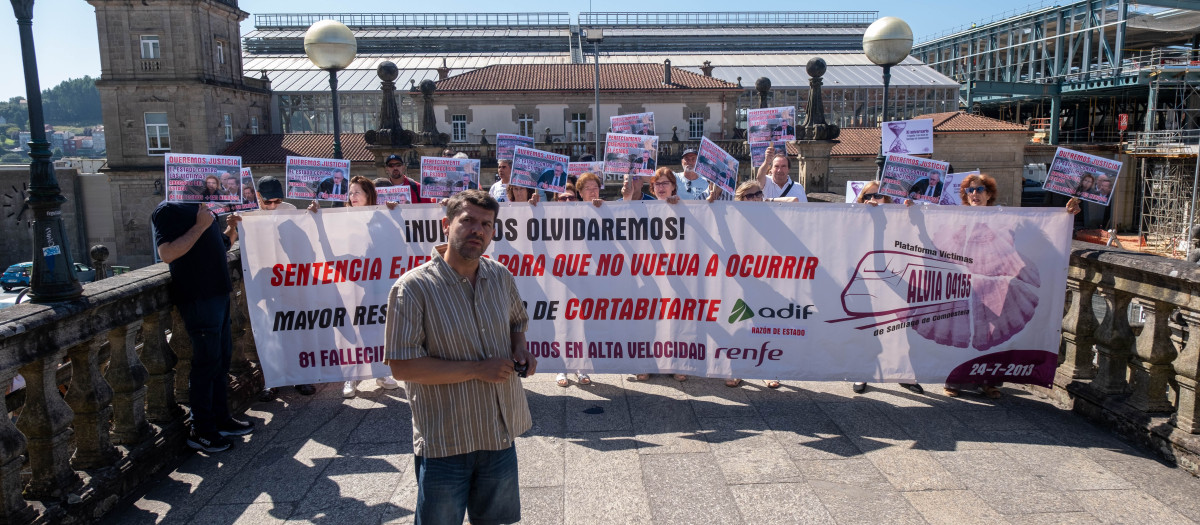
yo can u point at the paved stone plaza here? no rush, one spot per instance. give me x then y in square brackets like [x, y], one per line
[695, 452]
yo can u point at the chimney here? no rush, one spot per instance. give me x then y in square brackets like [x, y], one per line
[667, 72]
[443, 72]
[707, 68]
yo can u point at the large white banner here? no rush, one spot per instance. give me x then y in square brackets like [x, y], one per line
[752, 290]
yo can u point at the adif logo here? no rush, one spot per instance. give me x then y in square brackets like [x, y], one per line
[741, 312]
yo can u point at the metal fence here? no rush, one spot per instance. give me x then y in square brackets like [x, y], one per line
[728, 18]
[393, 20]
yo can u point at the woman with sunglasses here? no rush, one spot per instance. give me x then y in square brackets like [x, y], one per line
[979, 190]
[361, 193]
[664, 185]
[750, 191]
[870, 195]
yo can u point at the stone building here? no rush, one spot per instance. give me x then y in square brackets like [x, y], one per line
[170, 80]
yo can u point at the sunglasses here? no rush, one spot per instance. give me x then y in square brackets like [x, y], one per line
[975, 189]
[872, 196]
[566, 197]
[755, 195]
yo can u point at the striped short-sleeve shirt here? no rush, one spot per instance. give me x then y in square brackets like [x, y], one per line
[435, 312]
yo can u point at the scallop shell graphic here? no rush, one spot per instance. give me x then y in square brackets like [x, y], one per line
[1003, 288]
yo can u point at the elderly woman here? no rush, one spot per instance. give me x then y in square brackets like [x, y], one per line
[978, 190]
[588, 185]
[361, 193]
[663, 184]
[568, 194]
[870, 195]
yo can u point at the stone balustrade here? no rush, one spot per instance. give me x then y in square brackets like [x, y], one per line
[1130, 349]
[76, 454]
[73, 455]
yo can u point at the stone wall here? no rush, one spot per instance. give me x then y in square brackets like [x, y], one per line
[16, 244]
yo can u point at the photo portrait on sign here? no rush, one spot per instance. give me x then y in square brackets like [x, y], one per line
[632, 124]
[317, 179]
[505, 144]
[717, 166]
[630, 155]
[902, 173]
[442, 177]
[1087, 177]
[249, 196]
[539, 169]
[772, 124]
[203, 178]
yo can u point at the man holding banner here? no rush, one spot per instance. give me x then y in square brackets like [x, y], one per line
[464, 387]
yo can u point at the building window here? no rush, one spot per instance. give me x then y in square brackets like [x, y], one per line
[220, 52]
[458, 128]
[577, 129]
[525, 124]
[158, 139]
[228, 120]
[254, 125]
[150, 46]
[696, 126]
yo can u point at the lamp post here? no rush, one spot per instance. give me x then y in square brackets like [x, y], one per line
[53, 277]
[330, 45]
[887, 42]
[595, 36]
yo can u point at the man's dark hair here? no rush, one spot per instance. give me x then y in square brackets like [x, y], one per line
[457, 203]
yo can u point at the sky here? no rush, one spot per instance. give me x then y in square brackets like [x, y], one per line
[64, 31]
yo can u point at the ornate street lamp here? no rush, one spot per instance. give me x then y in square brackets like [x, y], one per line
[887, 42]
[53, 277]
[331, 46]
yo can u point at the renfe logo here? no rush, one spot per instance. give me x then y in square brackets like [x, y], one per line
[742, 311]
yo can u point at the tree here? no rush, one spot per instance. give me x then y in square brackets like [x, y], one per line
[72, 102]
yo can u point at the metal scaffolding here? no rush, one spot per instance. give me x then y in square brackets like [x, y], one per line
[1166, 202]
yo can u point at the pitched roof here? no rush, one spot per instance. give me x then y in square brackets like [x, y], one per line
[275, 148]
[579, 77]
[864, 142]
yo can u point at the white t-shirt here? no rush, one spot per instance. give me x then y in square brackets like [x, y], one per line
[499, 191]
[285, 206]
[697, 187]
[790, 189]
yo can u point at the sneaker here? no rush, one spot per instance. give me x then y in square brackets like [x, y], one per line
[306, 390]
[211, 443]
[860, 387]
[349, 389]
[387, 383]
[235, 427]
[267, 395]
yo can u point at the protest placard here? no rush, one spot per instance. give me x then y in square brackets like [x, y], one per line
[772, 124]
[626, 154]
[401, 194]
[951, 183]
[505, 144]
[853, 188]
[717, 166]
[758, 151]
[907, 137]
[906, 177]
[844, 294]
[1078, 174]
[203, 178]
[249, 195]
[442, 177]
[317, 179]
[632, 124]
[575, 169]
[533, 168]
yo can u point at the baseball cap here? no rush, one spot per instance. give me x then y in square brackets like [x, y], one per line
[270, 188]
[688, 151]
[394, 157]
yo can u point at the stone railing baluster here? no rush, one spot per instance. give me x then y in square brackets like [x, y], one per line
[1114, 342]
[1078, 333]
[1150, 364]
[90, 399]
[127, 377]
[46, 422]
[1187, 368]
[181, 344]
[159, 360]
[13, 507]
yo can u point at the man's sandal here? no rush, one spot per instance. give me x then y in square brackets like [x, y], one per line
[951, 392]
[992, 392]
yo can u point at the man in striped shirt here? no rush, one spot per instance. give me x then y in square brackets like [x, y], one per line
[456, 335]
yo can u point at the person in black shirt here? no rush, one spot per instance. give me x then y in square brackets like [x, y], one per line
[190, 242]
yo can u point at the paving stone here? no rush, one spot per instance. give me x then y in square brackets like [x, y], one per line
[999, 418]
[356, 485]
[284, 473]
[857, 471]
[1061, 466]
[1029, 501]
[687, 488]
[541, 505]
[600, 408]
[540, 461]
[1053, 518]
[603, 480]
[711, 398]
[953, 507]
[994, 470]
[253, 514]
[909, 469]
[853, 503]
[665, 425]
[747, 451]
[808, 433]
[780, 503]
[936, 429]
[1127, 506]
[1170, 485]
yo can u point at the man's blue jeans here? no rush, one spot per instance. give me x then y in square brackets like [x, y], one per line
[207, 323]
[483, 484]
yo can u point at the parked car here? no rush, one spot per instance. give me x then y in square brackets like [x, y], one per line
[16, 276]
